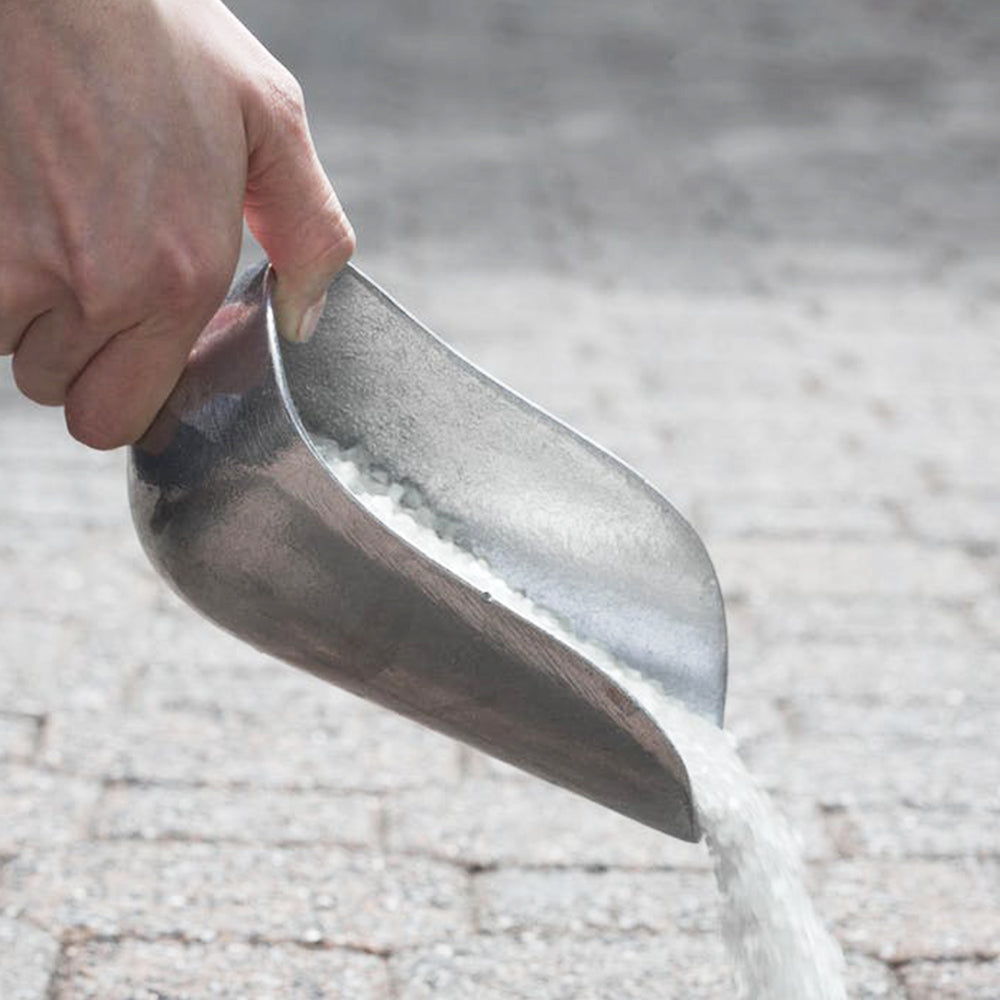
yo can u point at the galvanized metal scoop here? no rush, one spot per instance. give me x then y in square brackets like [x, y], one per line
[237, 510]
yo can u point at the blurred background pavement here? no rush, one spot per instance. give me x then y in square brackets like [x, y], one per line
[752, 246]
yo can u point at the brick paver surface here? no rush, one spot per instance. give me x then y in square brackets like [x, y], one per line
[753, 246]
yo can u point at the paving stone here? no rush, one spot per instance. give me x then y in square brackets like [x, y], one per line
[489, 822]
[808, 824]
[34, 428]
[849, 569]
[751, 719]
[579, 902]
[368, 752]
[957, 519]
[250, 815]
[913, 353]
[874, 621]
[950, 674]
[986, 616]
[868, 770]
[674, 967]
[176, 645]
[98, 576]
[951, 980]
[788, 516]
[18, 737]
[50, 662]
[145, 970]
[903, 832]
[227, 678]
[314, 896]
[900, 911]
[28, 959]
[952, 465]
[902, 720]
[50, 496]
[681, 966]
[516, 819]
[765, 458]
[869, 979]
[38, 807]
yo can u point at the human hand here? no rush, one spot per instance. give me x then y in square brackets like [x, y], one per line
[134, 134]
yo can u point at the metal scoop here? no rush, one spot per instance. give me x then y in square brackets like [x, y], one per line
[236, 509]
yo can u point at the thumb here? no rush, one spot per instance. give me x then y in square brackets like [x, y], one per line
[291, 207]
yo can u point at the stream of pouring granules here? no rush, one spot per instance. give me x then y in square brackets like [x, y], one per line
[778, 947]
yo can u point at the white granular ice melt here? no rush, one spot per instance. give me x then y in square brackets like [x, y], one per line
[778, 946]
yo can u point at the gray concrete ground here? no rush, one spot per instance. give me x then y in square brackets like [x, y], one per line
[753, 246]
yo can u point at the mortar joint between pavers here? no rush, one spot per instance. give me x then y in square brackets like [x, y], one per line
[78, 936]
[382, 824]
[59, 972]
[41, 736]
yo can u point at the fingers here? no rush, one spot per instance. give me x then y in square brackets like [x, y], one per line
[122, 388]
[53, 350]
[112, 385]
[25, 296]
[113, 376]
[119, 392]
[291, 206]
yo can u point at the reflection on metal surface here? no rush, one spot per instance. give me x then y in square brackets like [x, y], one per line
[236, 509]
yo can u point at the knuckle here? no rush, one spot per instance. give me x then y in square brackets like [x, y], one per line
[8, 293]
[340, 251]
[189, 281]
[336, 239]
[100, 306]
[92, 424]
[284, 97]
[348, 242]
[177, 276]
[101, 312]
[33, 383]
[26, 294]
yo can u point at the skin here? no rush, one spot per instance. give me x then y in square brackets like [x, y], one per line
[134, 137]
